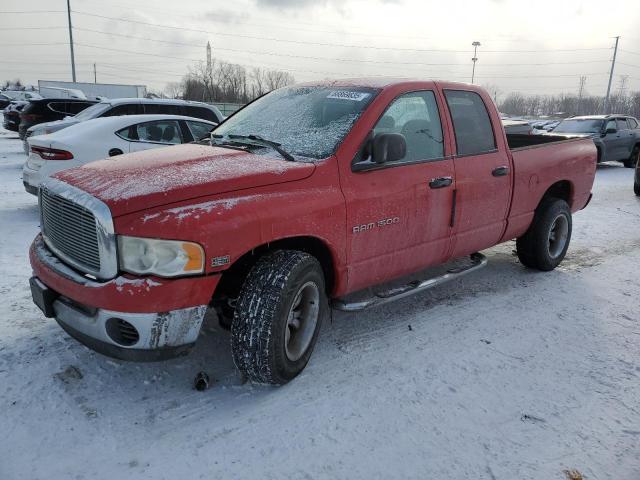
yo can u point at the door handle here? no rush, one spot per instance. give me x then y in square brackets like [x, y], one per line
[440, 182]
[500, 171]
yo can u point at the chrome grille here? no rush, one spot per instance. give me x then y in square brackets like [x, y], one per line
[71, 230]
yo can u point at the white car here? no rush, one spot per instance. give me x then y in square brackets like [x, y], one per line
[106, 137]
[129, 106]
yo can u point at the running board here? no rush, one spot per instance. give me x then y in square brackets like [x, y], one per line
[477, 262]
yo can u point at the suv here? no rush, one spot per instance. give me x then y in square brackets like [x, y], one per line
[617, 137]
[49, 110]
[131, 106]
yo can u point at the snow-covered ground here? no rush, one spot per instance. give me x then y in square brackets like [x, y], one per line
[506, 374]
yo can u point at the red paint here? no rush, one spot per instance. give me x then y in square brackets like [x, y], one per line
[232, 202]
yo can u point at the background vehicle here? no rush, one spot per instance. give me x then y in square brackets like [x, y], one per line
[11, 115]
[4, 101]
[312, 192]
[21, 95]
[106, 137]
[50, 109]
[617, 137]
[636, 183]
[131, 106]
[512, 127]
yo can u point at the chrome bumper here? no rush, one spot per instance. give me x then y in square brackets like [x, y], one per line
[160, 335]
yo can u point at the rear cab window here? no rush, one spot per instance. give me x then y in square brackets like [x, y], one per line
[471, 123]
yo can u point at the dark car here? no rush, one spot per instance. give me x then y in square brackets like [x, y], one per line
[4, 101]
[49, 110]
[617, 137]
[11, 115]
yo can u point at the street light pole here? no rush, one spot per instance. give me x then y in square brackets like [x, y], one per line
[475, 44]
[73, 59]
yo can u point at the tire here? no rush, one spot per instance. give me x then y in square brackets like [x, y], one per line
[636, 188]
[545, 243]
[632, 161]
[283, 290]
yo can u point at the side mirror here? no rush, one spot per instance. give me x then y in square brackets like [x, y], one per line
[389, 147]
[610, 130]
[115, 152]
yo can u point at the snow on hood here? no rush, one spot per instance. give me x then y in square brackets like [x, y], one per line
[153, 178]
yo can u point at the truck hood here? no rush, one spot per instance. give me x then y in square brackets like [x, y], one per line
[152, 178]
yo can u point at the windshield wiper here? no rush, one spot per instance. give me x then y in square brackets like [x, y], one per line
[266, 143]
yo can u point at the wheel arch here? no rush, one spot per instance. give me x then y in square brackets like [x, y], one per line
[233, 277]
[563, 189]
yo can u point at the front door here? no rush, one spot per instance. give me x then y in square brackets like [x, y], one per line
[398, 213]
[483, 175]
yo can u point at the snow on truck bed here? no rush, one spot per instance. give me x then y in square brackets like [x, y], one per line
[505, 374]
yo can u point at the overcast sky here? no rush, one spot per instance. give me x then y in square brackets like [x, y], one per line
[529, 46]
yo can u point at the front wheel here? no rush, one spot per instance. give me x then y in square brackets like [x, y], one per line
[545, 243]
[632, 161]
[278, 316]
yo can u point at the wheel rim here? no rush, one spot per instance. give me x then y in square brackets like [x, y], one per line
[301, 321]
[558, 234]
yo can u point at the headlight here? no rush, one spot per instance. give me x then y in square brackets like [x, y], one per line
[165, 258]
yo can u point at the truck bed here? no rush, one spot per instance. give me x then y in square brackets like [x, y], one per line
[538, 162]
[519, 141]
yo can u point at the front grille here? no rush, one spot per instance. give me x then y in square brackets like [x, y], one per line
[71, 230]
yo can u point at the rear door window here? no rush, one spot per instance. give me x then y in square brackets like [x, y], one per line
[471, 123]
[76, 107]
[632, 123]
[124, 109]
[59, 107]
[200, 112]
[621, 124]
[161, 109]
[162, 131]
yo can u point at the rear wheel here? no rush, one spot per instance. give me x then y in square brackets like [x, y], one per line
[278, 316]
[545, 243]
[632, 161]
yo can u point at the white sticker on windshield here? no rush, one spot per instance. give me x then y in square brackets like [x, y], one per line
[345, 95]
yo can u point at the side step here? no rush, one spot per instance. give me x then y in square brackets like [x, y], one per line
[477, 262]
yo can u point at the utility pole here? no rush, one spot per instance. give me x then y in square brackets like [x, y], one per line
[583, 81]
[475, 44]
[73, 58]
[613, 64]
[95, 74]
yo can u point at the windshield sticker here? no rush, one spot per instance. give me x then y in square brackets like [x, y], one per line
[345, 95]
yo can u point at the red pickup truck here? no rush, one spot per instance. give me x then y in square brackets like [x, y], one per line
[302, 199]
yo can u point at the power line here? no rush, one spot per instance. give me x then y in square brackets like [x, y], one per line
[348, 60]
[18, 12]
[323, 44]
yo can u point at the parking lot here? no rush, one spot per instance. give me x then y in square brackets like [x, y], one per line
[506, 374]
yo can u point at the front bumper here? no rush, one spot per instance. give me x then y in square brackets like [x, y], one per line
[166, 315]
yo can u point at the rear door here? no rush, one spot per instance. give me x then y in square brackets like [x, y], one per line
[398, 223]
[482, 170]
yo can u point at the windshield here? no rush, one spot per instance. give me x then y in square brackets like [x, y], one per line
[579, 126]
[92, 112]
[306, 121]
